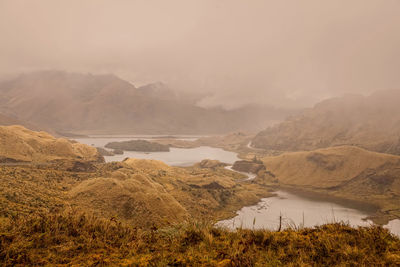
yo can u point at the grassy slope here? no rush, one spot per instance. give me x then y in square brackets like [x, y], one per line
[161, 196]
[40, 172]
[147, 192]
[81, 240]
[371, 122]
[27, 189]
[20, 144]
[325, 168]
[141, 192]
[346, 172]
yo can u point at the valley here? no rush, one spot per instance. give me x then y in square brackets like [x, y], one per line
[193, 184]
[76, 188]
[199, 133]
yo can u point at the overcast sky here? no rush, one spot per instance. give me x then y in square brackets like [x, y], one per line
[285, 53]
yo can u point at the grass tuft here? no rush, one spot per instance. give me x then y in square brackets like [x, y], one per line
[80, 239]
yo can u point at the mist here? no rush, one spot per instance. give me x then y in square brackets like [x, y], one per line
[280, 53]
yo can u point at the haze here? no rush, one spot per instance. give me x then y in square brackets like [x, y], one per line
[282, 53]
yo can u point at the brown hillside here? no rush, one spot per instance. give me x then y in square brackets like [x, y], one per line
[371, 122]
[326, 167]
[131, 192]
[147, 192]
[347, 172]
[43, 173]
[18, 144]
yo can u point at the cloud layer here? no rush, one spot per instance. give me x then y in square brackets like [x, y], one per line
[285, 53]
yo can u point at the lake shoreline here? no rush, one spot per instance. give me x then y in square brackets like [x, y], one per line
[373, 210]
[314, 194]
[369, 210]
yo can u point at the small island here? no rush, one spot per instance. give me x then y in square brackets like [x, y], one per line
[138, 145]
[253, 166]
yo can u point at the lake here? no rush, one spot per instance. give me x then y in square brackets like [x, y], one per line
[296, 209]
[175, 157]
[300, 211]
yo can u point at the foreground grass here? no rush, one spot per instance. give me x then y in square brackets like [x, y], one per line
[83, 240]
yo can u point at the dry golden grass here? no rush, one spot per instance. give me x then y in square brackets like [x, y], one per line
[20, 144]
[68, 239]
[26, 189]
[327, 167]
[141, 192]
[147, 192]
[346, 172]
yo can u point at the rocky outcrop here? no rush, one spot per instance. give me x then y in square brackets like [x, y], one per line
[118, 152]
[251, 166]
[138, 145]
[213, 186]
[212, 164]
[104, 152]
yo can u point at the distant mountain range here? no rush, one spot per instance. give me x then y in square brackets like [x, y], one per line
[371, 122]
[105, 104]
[9, 120]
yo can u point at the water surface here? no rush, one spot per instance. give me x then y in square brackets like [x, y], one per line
[296, 211]
[175, 157]
[394, 226]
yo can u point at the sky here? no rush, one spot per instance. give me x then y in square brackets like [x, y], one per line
[286, 53]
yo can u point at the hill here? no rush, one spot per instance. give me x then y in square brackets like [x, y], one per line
[84, 103]
[345, 171]
[149, 192]
[42, 173]
[143, 212]
[10, 120]
[371, 122]
[18, 144]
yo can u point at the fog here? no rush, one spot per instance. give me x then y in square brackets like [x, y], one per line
[282, 53]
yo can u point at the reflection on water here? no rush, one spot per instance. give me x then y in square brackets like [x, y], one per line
[176, 156]
[295, 211]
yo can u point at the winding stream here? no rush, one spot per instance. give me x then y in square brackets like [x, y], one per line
[250, 176]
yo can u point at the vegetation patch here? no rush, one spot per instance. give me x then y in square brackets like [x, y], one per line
[138, 145]
[46, 239]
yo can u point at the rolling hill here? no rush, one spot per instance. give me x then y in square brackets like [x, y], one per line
[344, 171]
[41, 173]
[18, 144]
[371, 122]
